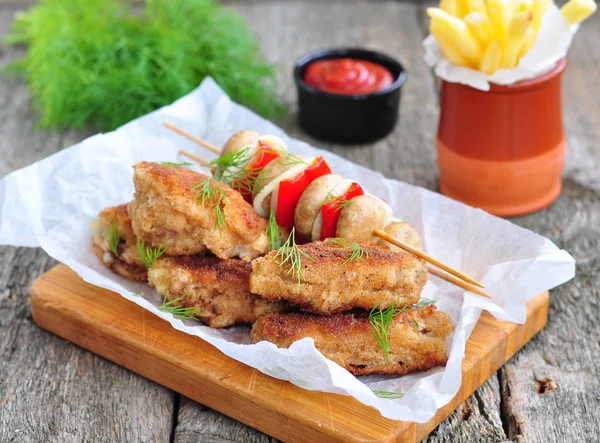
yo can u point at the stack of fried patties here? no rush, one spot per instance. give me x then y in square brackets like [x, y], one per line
[203, 264]
[357, 308]
[338, 297]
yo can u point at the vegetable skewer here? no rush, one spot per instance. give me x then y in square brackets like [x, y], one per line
[459, 276]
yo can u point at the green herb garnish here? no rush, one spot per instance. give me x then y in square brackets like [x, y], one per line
[177, 164]
[273, 232]
[380, 325]
[358, 252]
[180, 312]
[210, 191]
[148, 255]
[289, 159]
[338, 203]
[117, 63]
[387, 394]
[138, 294]
[416, 324]
[114, 238]
[290, 253]
[381, 321]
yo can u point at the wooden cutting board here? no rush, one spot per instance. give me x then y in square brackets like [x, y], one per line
[112, 327]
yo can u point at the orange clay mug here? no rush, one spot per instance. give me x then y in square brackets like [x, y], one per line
[503, 150]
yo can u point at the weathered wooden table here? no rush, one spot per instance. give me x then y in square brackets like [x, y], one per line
[51, 390]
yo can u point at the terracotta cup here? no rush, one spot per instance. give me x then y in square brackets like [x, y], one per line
[503, 150]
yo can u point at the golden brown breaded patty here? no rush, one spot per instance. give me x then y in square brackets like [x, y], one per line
[348, 339]
[217, 287]
[165, 212]
[115, 220]
[329, 284]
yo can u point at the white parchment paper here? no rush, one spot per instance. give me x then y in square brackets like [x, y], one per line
[553, 41]
[52, 203]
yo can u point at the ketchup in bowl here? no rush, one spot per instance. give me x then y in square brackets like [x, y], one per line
[347, 76]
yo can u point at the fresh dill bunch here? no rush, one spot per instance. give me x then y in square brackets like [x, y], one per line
[291, 254]
[148, 255]
[99, 63]
[184, 164]
[209, 191]
[387, 394]
[273, 231]
[114, 238]
[180, 312]
[381, 320]
[357, 251]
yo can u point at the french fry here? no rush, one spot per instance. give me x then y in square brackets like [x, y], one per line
[462, 7]
[480, 26]
[477, 6]
[452, 54]
[500, 12]
[523, 5]
[450, 7]
[530, 38]
[492, 57]
[517, 30]
[576, 11]
[458, 34]
[539, 8]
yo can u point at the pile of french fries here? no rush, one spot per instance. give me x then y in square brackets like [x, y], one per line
[492, 34]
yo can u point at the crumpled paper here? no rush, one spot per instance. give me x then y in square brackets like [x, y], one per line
[52, 203]
[553, 41]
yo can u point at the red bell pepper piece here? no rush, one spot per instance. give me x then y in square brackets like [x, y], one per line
[330, 211]
[290, 191]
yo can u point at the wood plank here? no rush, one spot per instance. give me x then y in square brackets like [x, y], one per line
[109, 325]
[49, 389]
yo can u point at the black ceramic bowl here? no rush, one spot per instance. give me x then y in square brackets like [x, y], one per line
[358, 118]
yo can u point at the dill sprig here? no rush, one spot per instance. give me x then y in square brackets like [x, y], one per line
[380, 326]
[114, 238]
[230, 166]
[148, 255]
[381, 321]
[358, 252]
[291, 254]
[184, 164]
[289, 159]
[210, 191]
[387, 394]
[273, 231]
[138, 294]
[338, 203]
[137, 61]
[180, 312]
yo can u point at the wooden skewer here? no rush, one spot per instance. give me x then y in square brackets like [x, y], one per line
[189, 136]
[456, 276]
[387, 237]
[458, 282]
[193, 157]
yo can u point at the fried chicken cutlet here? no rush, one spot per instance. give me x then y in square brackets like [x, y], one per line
[417, 339]
[112, 232]
[331, 281]
[175, 208]
[218, 288]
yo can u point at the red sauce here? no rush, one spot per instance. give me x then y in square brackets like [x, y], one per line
[347, 76]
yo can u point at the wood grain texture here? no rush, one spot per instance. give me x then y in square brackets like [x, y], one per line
[120, 331]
